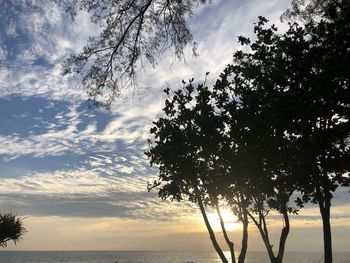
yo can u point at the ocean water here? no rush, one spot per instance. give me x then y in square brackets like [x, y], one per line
[151, 257]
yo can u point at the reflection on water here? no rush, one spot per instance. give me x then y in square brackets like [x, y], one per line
[153, 257]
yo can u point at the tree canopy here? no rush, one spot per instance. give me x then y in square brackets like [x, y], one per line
[306, 10]
[187, 149]
[11, 228]
[276, 122]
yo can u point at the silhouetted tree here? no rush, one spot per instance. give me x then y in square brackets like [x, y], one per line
[187, 149]
[11, 228]
[211, 147]
[323, 119]
[260, 150]
[301, 81]
[284, 113]
[131, 31]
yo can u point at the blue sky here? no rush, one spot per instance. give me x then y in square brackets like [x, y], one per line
[73, 171]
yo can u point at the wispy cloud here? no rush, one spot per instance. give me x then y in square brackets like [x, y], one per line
[59, 159]
[75, 130]
[37, 36]
[98, 191]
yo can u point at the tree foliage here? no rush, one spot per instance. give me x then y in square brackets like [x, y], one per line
[298, 87]
[260, 148]
[276, 122]
[306, 10]
[132, 31]
[301, 81]
[11, 228]
[187, 149]
[211, 149]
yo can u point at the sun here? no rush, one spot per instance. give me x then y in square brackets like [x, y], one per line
[231, 221]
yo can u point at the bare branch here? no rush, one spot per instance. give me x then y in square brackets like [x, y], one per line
[131, 30]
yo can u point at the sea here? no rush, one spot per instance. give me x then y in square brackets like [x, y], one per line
[152, 257]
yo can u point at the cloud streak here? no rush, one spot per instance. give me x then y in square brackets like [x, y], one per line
[61, 160]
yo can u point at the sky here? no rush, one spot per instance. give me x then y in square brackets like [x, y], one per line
[78, 175]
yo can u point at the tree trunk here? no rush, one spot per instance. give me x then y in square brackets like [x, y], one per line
[210, 230]
[269, 249]
[223, 228]
[284, 235]
[244, 247]
[264, 235]
[325, 207]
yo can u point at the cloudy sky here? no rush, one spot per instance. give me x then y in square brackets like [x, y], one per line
[78, 175]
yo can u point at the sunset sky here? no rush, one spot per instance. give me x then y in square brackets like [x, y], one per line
[78, 175]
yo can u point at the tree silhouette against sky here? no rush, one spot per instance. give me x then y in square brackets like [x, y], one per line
[289, 101]
[11, 228]
[132, 32]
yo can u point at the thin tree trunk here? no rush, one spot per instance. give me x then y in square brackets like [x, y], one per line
[210, 230]
[223, 228]
[262, 227]
[325, 207]
[244, 247]
[264, 236]
[266, 239]
[324, 202]
[284, 235]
